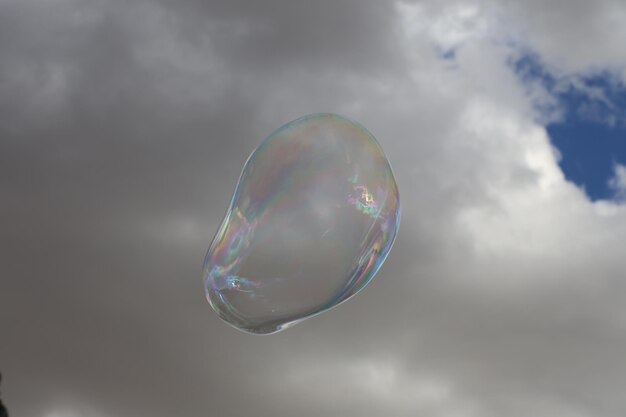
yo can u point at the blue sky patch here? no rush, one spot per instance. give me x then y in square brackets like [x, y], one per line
[447, 54]
[590, 133]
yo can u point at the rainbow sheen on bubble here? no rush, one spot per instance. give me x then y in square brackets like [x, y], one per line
[314, 215]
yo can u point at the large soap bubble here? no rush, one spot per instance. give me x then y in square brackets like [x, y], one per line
[312, 219]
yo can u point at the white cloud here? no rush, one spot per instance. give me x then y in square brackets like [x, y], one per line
[575, 37]
[618, 182]
[448, 25]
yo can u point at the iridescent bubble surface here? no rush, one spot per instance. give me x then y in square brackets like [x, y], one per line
[313, 217]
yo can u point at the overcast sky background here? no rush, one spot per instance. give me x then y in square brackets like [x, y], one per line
[123, 129]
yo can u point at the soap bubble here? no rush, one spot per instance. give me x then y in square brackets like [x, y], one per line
[313, 217]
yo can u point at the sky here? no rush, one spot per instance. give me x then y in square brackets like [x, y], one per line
[124, 127]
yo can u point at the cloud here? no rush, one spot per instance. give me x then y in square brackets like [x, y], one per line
[124, 127]
[618, 182]
[582, 27]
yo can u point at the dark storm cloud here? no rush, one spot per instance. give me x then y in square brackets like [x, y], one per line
[282, 35]
[117, 163]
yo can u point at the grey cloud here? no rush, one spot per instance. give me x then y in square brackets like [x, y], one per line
[278, 35]
[123, 129]
[106, 157]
